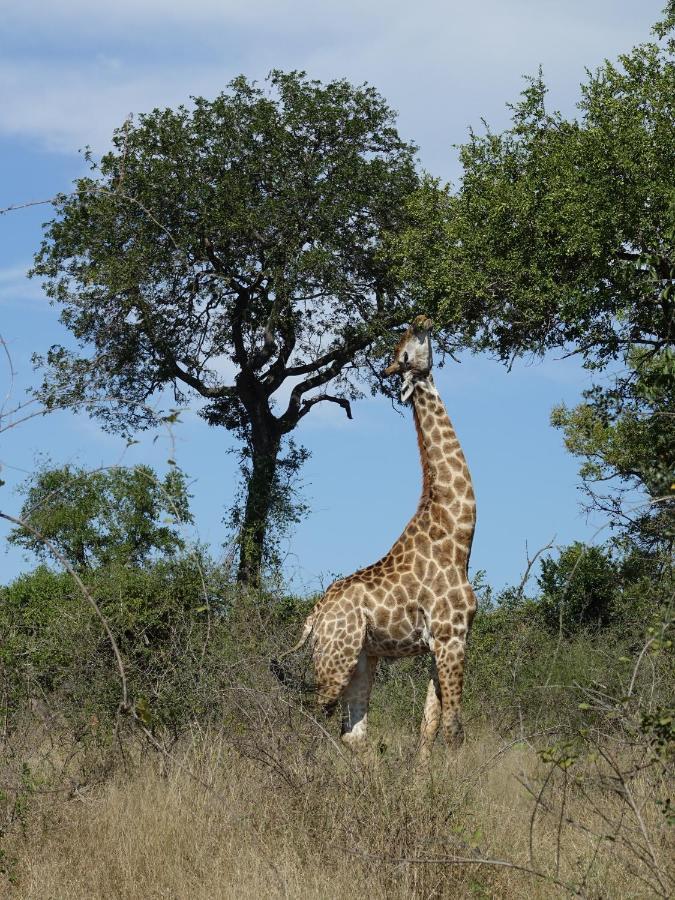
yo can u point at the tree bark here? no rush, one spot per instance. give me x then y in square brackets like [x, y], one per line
[259, 499]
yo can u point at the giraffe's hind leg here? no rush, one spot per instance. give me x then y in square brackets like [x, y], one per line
[355, 700]
[336, 656]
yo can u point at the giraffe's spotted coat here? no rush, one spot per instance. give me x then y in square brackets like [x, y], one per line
[417, 598]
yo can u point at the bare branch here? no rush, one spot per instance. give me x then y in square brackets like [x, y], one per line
[320, 398]
[530, 563]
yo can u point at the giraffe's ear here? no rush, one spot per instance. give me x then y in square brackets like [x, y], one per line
[407, 387]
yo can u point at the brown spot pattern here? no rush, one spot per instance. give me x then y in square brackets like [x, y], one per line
[416, 598]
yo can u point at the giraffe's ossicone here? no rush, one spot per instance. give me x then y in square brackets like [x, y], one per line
[417, 598]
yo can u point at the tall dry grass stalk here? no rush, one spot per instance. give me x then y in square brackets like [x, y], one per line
[269, 814]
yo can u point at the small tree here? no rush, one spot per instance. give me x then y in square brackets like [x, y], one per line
[121, 515]
[578, 588]
[625, 436]
[236, 252]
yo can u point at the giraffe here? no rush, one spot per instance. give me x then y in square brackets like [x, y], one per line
[417, 598]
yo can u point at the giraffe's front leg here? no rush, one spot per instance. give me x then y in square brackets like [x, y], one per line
[355, 700]
[449, 653]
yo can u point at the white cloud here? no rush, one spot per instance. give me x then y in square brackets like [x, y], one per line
[442, 64]
[67, 107]
[125, 17]
[17, 290]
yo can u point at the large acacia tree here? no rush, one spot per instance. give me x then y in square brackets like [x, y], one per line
[235, 252]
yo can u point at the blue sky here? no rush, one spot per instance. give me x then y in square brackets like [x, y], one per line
[70, 72]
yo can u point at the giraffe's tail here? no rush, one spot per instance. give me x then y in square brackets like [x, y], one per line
[281, 673]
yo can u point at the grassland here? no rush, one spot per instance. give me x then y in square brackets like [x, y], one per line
[280, 810]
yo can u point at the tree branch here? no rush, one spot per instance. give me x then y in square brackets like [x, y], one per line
[530, 562]
[277, 372]
[315, 365]
[293, 411]
[341, 401]
[269, 346]
[170, 360]
[240, 354]
[196, 383]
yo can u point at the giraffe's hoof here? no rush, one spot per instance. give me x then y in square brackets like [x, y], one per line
[355, 742]
[361, 750]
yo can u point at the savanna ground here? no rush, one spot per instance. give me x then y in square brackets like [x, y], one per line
[237, 788]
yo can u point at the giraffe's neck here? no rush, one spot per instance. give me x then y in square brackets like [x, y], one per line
[445, 473]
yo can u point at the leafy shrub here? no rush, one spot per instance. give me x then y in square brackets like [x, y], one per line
[579, 588]
[115, 515]
[521, 673]
[53, 647]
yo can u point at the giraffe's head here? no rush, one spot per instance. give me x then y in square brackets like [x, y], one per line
[412, 356]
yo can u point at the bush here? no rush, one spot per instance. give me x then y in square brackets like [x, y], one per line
[111, 516]
[519, 674]
[579, 588]
[53, 647]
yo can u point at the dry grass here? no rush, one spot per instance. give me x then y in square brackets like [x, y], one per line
[281, 812]
[268, 804]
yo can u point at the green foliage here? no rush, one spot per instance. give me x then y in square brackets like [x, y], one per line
[53, 648]
[518, 672]
[116, 515]
[42, 619]
[249, 229]
[658, 726]
[626, 434]
[559, 217]
[523, 673]
[578, 588]
[431, 256]
[667, 24]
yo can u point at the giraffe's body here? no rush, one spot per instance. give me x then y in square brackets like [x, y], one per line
[417, 598]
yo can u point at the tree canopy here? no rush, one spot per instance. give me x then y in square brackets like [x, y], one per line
[96, 518]
[236, 252]
[562, 234]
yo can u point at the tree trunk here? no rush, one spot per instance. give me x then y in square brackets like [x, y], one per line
[259, 499]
